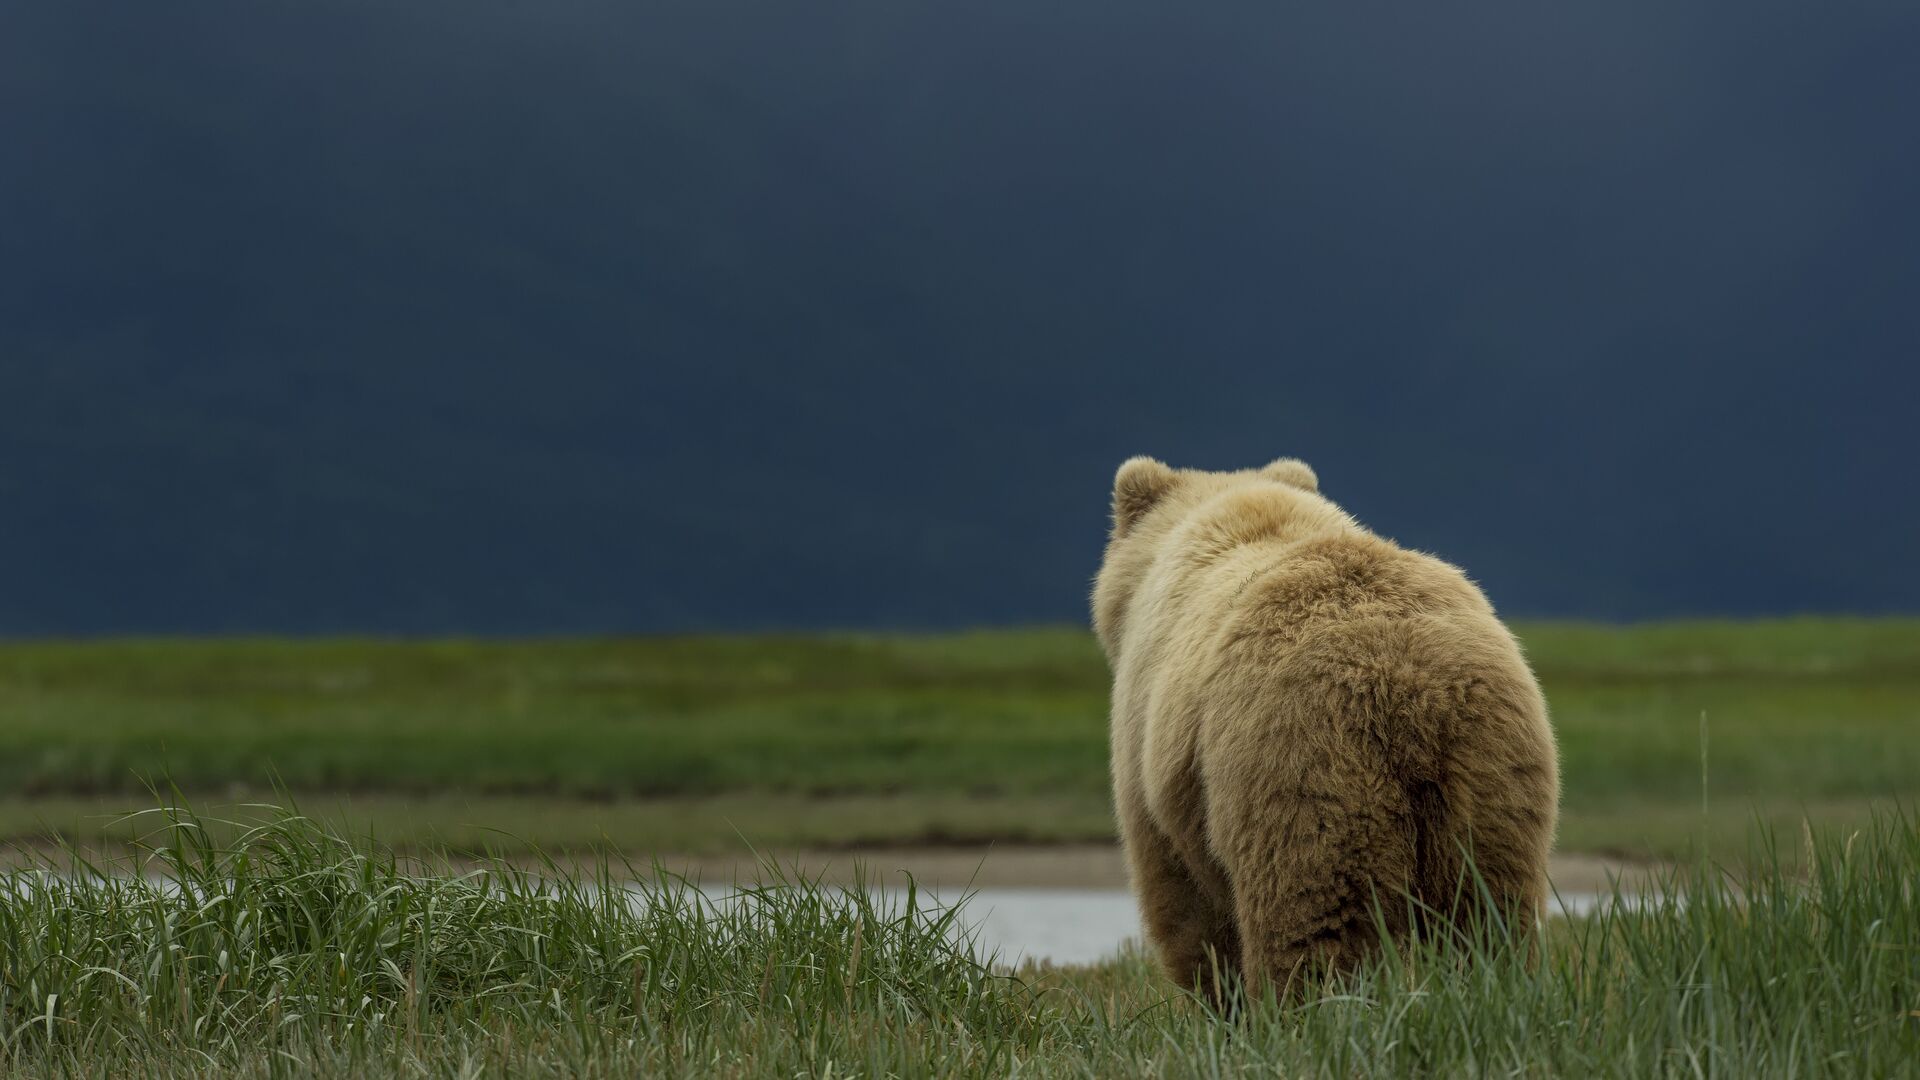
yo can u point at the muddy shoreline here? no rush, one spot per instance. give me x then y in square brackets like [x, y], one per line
[1041, 866]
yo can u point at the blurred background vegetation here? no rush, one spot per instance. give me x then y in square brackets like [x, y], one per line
[691, 744]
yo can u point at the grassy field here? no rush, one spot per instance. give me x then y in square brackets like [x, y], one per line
[292, 952]
[689, 744]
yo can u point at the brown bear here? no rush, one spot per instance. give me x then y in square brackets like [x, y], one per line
[1313, 728]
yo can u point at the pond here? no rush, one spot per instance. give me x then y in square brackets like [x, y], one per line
[1085, 926]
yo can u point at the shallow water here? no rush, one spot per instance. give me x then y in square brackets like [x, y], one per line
[1062, 926]
[1084, 926]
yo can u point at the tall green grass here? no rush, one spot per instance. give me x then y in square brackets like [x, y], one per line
[289, 940]
[289, 950]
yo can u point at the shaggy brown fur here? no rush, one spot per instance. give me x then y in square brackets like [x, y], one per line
[1307, 717]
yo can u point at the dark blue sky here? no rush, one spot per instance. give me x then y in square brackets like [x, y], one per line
[510, 317]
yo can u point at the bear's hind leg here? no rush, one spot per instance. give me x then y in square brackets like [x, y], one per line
[1491, 852]
[1191, 932]
[1316, 873]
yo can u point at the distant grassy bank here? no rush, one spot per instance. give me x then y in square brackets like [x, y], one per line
[689, 743]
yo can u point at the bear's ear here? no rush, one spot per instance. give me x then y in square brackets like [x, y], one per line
[1293, 472]
[1138, 485]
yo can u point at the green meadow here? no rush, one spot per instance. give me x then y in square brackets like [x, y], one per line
[286, 950]
[466, 887]
[696, 744]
